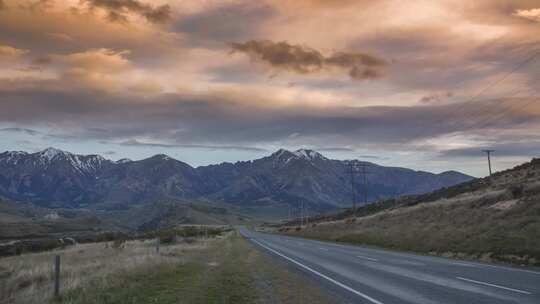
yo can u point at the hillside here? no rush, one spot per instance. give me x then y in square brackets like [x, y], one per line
[492, 219]
[58, 179]
[27, 221]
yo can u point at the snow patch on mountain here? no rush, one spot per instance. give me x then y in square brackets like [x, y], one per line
[12, 156]
[51, 153]
[308, 154]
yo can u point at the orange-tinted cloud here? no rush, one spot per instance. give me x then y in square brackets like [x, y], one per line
[66, 64]
[9, 53]
[531, 14]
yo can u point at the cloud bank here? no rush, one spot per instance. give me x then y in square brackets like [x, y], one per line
[346, 76]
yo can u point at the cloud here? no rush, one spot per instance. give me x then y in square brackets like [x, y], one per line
[531, 14]
[9, 53]
[20, 130]
[305, 60]
[436, 97]
[97, 60]
[109, 153]
[118, 9]
[220, 120]
[372, 157]
[527, 147]
[334, 149]
[102, 69]
[61, 37]
[136, 143]
[38, 5]
[85, 71]
[214, 26]
[42, 60]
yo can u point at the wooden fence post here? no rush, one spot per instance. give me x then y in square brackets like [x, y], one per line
[56, 276]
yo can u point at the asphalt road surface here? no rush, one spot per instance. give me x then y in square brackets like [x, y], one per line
[366, 275]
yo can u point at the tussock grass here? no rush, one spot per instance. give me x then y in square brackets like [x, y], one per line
[28, 278]
[497, 219]
[224, 269]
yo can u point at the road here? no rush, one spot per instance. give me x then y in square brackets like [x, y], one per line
[367, 275]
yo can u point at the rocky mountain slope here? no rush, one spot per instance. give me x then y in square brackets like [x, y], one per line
[57, 179]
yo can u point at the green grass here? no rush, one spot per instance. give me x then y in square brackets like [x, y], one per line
[216, 275]
[230, 270]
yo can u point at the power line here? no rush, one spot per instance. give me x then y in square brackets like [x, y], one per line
[489, 119]
[532, 58]
[503, 109]
[462, 106]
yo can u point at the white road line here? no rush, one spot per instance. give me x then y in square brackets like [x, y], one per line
[367, 258]
[372, 300]
[493, 285]
[324, 249]
[496, 267]
[509, 268]
[463, 264]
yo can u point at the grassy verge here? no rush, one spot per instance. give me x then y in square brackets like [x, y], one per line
[228, 271]
[219, 270]
[211, 275]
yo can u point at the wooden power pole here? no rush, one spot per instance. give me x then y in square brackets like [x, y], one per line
[488, 152]
[352, 171]
[364, 175]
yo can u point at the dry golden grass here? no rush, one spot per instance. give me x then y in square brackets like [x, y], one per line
[29, 278]
[498, 222]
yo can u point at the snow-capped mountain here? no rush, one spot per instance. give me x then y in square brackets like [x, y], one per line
[56, 178]
[51, 176]
[87, 164]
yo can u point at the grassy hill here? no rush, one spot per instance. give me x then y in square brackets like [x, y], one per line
[25, 220]
[492, 219]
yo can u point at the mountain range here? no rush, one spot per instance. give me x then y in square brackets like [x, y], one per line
[54, 178]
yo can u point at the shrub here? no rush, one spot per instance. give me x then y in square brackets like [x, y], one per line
[119, 243]
[517, 191]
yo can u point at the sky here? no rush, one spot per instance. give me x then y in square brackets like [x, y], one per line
[419, 84]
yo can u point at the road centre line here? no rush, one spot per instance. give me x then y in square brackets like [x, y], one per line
[493, 285]
[346, 287]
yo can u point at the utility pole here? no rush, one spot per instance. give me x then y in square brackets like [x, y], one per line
[352, 171]
[488, 152]
[302, 214]
[56, 276]
[307, 216]
[289, 214]
[365, 173]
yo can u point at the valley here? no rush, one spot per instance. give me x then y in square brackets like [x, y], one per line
[56, 192]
